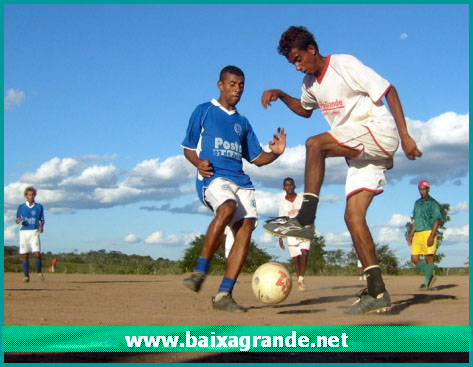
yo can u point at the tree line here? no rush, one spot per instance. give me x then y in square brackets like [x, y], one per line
[320, 260]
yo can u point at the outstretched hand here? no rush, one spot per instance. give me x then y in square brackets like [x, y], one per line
[278, 144]
[269, 96]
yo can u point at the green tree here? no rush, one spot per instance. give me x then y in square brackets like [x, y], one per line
[316, 260]
[335, 260]
[387, 260]
[444, 210]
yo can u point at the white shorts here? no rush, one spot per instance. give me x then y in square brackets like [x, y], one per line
[221, 190]
[29, 241]
[229, 239]
[359, 264]
[296, 246]
[376, 150]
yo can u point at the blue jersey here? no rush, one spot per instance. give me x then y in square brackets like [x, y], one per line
[31, 216]
[224, 138]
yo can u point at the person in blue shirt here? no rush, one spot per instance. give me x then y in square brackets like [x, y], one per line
[217, 140]
[31, 217]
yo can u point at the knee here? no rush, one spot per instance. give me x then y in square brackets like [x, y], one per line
[353, 219]
[226, 210]
[312, 143]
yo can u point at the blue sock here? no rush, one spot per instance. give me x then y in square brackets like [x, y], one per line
[227, 285]
[38, 265]
[26, 267]
[202, 265]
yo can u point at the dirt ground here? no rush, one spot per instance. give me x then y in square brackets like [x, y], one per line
[89, 299]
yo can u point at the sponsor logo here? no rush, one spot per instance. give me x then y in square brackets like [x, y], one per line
[331, 107]
[225, 148]
[237, 128]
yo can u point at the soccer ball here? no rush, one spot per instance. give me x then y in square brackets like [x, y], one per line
[271, 283]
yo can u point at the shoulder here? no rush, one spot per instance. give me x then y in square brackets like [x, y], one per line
[203, 106]
[21, 206]
[40, 206]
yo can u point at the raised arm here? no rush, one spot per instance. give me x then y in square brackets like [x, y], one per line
[294, 104]
[277, 146]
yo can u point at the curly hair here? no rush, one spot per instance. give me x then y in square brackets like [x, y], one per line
[298, 38]
[230, 69]
[28, 189]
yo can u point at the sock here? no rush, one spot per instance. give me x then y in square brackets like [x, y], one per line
[375, 280]
[429, 271]
[227, 285]
[220, 295]
[202, 265]
[26, 267]
[301, 278]
[421, 266]
[38, 265]
[308, 209]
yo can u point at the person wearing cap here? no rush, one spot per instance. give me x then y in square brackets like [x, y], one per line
[423, 236]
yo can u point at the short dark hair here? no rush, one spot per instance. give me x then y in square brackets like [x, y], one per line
[230, 69]
[288, 178]
[298, 38]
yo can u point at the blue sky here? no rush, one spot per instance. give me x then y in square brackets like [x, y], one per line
[97, 99]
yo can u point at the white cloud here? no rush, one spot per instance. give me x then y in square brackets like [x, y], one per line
[404, 36]
[13, 99]
[390, 234]
[458, 208]
[132, 238]
[398, 220]
[157, 238]
[342, 239]
[188, 237]
[95, 176]
[11, 233]
[266, 239]
[52, 172]
[457, 235]
[9, 216]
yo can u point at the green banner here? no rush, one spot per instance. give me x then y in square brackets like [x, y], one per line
[54, 339]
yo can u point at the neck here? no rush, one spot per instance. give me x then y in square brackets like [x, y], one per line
[224, 104]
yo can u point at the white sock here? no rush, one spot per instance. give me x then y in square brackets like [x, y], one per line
[220, 295]
[301, 278]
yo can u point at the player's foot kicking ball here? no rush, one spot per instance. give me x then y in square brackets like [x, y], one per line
[289, 227]
[366, 303]
[227, 303]
[194, 282]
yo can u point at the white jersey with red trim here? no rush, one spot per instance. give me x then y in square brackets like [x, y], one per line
[348, 92]
[290, 208]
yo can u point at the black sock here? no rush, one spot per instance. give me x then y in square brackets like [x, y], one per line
[306, 214]
[375, 281]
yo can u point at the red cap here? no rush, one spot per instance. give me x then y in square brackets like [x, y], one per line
[424, 183]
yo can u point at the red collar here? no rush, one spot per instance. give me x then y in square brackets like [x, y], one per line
[327, 63]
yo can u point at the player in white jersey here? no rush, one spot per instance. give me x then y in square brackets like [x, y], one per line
[349, 94]
[298, 249]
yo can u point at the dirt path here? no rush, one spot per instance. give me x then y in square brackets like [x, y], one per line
[88, 299]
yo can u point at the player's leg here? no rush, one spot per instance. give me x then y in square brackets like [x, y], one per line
[376, 297]
[213, 238]
[235, 261]
[36, 249]
[25, 249]
[26, 267]
[318, 148]
[418, 248]
[430, 278]
[302, 268]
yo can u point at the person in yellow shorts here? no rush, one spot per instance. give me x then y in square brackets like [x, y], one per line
[423, 236]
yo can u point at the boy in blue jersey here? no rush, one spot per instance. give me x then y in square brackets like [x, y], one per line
[217, 140]
[31, 217]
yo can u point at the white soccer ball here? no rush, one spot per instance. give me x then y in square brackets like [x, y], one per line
[271, 283]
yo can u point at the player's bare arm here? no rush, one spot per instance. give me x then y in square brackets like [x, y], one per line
[41, 226]
[204, 166]
[408, 144]
[430, 240]
[277, 146]
[294, 104]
